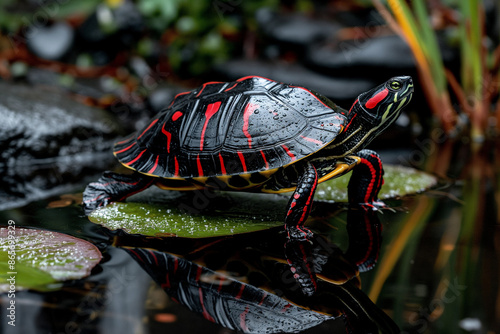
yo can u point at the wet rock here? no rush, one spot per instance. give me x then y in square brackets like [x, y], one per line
[294, 30]
[385, 56]
[48, 143]
[342, 90]
[91, 87]
[52, 42]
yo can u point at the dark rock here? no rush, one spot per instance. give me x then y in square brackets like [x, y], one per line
[110, 30]
[52, 42]
[48, 143]
[294, 29]
[374, 56]
[382, 57]
[341, 90]
[91, 87]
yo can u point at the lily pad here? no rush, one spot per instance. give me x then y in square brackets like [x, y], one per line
[229, 214]
[398, 181]
[35, 258]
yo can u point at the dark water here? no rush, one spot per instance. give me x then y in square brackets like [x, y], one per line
[437, 271]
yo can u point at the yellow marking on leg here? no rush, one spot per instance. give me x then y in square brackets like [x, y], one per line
[340, 169]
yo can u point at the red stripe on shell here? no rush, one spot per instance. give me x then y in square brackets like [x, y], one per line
[176, 167]
[228, 89]
[290, 154]
[312, 140]
[205, 313]
[265, 160]
[222, 167]
[136, 158]
[205, 85]
[243, 319]
[307, 90]
[124, 141]
[240, 292]
[176, 115]
[212, 108]
[200, 168]
[175, 98]
[253, 76]
[243, 163]
[125, 149]
[249, 109]
[154, 167]
[168, 135]
[149, 127]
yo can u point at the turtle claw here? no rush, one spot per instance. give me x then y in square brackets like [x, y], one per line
[113, 187]
[95, 197]
[299, 234]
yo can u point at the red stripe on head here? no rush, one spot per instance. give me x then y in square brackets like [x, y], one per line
[373, 101]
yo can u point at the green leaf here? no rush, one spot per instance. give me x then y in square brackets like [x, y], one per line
[226, 214]
[36, 258]
[399, 181]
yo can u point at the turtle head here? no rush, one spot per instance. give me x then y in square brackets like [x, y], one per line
[381, 106]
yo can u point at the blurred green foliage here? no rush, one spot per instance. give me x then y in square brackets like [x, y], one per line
[14, 15]
[191, 35]
[200, 34]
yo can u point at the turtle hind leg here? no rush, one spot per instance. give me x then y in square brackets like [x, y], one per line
[366, 179]
[113, 187]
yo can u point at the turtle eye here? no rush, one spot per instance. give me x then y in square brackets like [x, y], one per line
[396, 85]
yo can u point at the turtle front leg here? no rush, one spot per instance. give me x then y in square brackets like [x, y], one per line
[298, 249]
[113, 187]
[366, 180]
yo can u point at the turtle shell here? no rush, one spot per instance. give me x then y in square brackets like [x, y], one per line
[252, 124]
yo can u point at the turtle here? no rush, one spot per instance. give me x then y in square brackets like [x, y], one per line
[258, 135]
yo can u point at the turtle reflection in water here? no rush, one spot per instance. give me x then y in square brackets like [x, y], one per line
[258, 135]
[247, 287]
